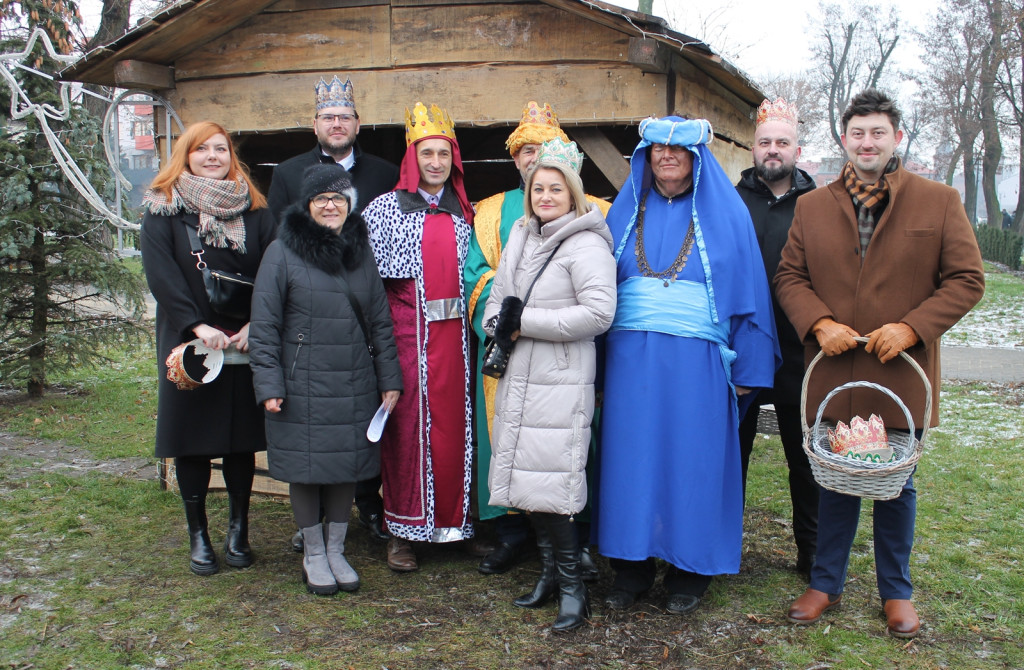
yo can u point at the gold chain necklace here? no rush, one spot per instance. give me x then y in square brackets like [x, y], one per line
[669, 274]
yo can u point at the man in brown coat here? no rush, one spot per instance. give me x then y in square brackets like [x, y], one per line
[890, 256]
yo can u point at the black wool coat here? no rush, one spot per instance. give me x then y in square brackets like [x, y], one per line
[308, 348]
[372, 176]
[772, 219]
[221, 417]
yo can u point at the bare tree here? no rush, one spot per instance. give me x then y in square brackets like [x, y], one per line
[708, 24]
[954, 43]
[992, 54]
[919, 120]
[800, 90]
[1009, 82]
[853, 47]
[114, 21]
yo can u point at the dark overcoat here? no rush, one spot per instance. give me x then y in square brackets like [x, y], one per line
[922, 267]
[772, 217]
[371, 175]
[221, 417]
[308, 348]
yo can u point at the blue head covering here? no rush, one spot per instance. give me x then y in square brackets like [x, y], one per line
[723, 232]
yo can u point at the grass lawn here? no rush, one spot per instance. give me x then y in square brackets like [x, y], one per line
[94, 565]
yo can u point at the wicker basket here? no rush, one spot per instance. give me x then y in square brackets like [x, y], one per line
[876, 481]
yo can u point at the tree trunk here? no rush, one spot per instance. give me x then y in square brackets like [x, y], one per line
[40, 301]
[970, 182]
[1018, 215]
[993, 147]
[114, 21]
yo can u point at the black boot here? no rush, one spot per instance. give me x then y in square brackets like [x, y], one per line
[573, 608]
[548, 583]
[237, 552]
[202, 560]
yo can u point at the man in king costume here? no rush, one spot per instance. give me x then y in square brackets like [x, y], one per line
[491, 227]
[693, 336]
[420, 234]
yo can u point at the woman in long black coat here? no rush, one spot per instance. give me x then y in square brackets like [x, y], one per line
[313, 370]
[206, 188]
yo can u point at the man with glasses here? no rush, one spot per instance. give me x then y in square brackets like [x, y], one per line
[336, 124]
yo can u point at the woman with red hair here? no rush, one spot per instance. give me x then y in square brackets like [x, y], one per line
[205, 188]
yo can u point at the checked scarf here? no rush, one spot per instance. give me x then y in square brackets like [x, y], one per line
[220, 204]
[868, 199]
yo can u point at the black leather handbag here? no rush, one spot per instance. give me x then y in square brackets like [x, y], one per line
[229, 293]
[496, 357]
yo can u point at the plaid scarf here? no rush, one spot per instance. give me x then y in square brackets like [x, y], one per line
[868, 199]
[219, 202]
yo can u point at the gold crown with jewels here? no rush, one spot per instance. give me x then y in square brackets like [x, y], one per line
[420, 123]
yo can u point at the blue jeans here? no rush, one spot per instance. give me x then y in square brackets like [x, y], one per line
[838, 516]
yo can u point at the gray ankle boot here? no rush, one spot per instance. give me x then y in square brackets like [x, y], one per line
[346, 577]
[316, 571]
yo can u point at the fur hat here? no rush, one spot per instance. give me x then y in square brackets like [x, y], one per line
[327, 178]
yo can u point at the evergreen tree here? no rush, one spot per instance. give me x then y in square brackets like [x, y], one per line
[59, 278]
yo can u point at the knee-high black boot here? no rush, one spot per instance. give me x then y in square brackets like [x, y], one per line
[237, 552]
[548, 583]
[573, 608]
[202, 560]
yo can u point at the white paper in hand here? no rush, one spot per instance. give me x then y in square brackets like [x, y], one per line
[376, 427]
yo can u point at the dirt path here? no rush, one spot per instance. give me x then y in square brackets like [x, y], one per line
[51, 456]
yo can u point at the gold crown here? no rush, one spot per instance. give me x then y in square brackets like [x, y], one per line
[862, 439]
[420, 123]
[334, 94]
[539, 124]
[779, 110]
[557, 152]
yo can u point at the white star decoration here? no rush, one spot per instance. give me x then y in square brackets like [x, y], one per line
[22, 106]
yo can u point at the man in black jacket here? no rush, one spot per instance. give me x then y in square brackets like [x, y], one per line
[336, 124]
[770, 190]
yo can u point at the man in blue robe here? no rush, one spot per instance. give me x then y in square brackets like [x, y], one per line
[693, 338]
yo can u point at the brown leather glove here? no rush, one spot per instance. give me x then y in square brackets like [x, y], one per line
[889, 340]
[834, 338]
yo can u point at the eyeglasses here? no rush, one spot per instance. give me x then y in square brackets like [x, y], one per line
[322, 200]
[329, 119]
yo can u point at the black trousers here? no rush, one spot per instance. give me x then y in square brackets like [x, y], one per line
[803, 490]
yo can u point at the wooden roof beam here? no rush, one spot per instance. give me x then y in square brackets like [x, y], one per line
[600, 149]
[137, 74]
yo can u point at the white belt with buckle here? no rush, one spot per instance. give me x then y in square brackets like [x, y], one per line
[444, 308]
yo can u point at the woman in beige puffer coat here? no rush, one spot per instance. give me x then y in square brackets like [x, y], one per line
[545, 400]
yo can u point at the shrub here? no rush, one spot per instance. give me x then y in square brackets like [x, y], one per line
[1000, 246]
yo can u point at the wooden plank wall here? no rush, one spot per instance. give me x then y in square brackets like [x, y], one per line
[480, 60]
[276, 102]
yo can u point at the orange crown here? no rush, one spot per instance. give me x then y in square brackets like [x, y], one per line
[419, 123]
[779, 110]
[539, 125]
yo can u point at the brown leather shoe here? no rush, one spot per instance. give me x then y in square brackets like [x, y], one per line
[901, 619]
[809, 607]
[401, 557]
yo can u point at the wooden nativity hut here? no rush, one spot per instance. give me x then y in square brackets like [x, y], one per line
[251, 65]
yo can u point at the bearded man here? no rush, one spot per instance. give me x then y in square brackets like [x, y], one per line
[770, 190]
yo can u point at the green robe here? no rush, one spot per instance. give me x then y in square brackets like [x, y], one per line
[491, 227]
